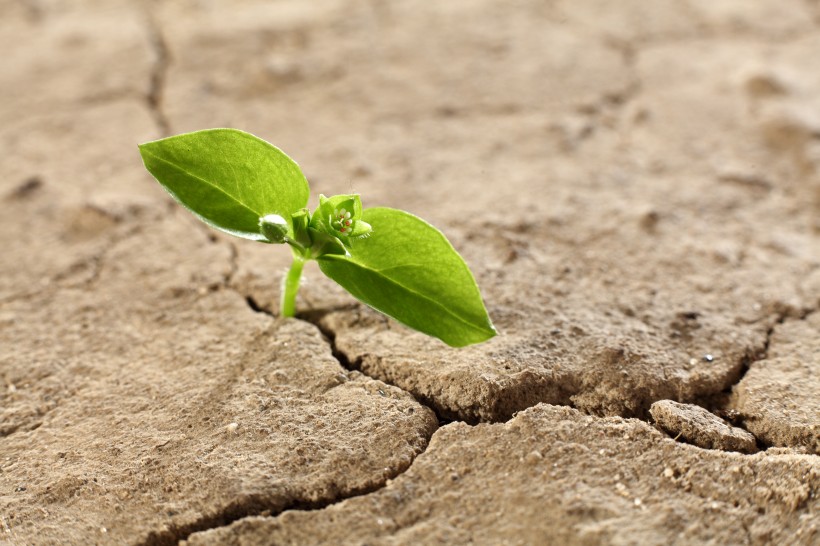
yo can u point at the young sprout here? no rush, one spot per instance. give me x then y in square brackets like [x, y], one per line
[386, 258]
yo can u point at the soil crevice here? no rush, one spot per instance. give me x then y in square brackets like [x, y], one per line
[722, 405]
[256, 506]
[314, 317]
[253, 506]
[158, 76]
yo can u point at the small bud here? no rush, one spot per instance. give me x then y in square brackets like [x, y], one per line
[361, 230]
[274, 228]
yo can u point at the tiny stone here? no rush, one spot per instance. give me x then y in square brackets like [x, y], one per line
[232, 427]
[533, 457]
[708, 358]
[700, 427]
[668, 472]
[638, 502]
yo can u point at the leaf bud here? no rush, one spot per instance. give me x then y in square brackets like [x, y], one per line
[274, 228]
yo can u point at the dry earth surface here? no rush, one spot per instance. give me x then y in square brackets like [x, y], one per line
[635, 184]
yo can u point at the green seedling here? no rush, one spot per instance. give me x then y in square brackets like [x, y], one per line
[386, 258]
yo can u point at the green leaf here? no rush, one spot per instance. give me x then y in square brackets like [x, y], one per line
[408, 270]
[228, 178]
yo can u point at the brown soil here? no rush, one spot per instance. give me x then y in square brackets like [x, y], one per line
[635, 184]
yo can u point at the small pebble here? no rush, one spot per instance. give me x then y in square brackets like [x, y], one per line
[700, 427]
[533, 457]
[708, 358]
[232, 427]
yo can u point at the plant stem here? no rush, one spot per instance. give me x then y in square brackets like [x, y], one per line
[291, 286]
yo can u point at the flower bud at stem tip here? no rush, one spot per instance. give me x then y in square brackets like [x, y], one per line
[274, 228]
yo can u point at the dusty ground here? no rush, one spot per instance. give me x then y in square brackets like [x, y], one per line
[636, 185]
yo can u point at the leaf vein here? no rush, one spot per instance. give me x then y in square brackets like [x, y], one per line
[215, 187]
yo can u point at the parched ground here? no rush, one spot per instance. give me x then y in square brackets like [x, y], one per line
[636, 185]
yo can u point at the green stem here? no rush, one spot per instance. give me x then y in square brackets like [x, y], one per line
[291, 286]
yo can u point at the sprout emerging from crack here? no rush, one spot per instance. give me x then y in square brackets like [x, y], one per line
[387, 258]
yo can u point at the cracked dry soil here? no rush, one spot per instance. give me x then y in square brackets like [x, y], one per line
[635, 184]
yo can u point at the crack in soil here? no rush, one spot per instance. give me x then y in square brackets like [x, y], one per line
[716, 404]
[158, 76]
[24, 427]
[234, 261]
[314, 317]
[95, 262]
[720, 404]
[259, 506]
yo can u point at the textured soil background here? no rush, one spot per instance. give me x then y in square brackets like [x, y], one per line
[636, 185]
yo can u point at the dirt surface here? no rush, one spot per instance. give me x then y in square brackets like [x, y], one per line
[567, 479]
[636, 186]
[778, 398]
